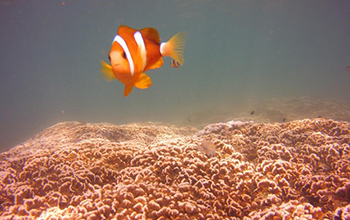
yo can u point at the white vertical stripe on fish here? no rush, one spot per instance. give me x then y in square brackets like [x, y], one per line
[162, 48]
[142, 48]
[122, 43]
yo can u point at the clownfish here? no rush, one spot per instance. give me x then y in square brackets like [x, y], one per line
[133, 52]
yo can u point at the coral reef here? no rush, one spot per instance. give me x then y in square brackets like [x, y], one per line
[235, 170]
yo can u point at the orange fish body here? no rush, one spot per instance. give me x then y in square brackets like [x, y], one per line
[133, 52]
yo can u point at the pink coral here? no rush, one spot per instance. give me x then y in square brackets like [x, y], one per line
[298, 169]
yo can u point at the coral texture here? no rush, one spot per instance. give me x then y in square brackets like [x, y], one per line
[234, 170]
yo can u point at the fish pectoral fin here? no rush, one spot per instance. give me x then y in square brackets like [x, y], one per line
[143, 82]
[106, 71]
[127, 90]
[175, 47]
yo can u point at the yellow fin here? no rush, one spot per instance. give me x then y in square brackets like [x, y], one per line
[175, 47]
[128, 89]
[143, 82]
[106, 71]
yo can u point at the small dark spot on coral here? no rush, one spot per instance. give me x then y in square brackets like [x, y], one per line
[252, 112]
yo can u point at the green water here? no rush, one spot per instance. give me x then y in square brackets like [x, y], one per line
[238, 54]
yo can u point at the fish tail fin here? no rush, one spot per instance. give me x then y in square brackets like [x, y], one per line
[175, 47]
[128, 89]
[106, 71]
[143, 82]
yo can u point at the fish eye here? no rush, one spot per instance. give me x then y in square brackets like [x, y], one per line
[124, 55]
[109, 57]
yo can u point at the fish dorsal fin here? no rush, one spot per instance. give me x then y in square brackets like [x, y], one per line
[125, 30]
[143, 82]
[151, 34]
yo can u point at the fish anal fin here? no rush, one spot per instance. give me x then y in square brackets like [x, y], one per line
[151, 34]
[143, 82]
[127, 90]
[156, 65]
[106, 71]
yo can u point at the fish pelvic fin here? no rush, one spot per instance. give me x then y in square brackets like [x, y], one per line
[143, 82]
[106, 71]
[127, 90]
[175, 47]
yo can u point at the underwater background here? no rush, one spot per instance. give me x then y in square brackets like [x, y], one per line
[243, 59]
